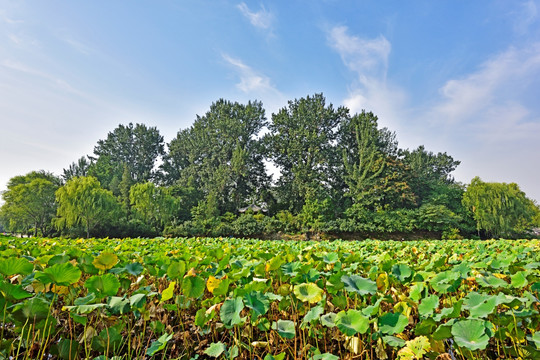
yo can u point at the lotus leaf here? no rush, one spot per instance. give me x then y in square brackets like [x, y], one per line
[230, 312]
[352, 322]
[358, 284]
[159, 344]
[312, 315]
[193, 286]
[60, 274]
[105, 261]
[470, 334]
[428, 305]
[393, 323]
[13, 265]
[104, 285]
[168, 293]
[176, 270]
[285, 328]
[308, 292]
[215, 349]
[258, 302]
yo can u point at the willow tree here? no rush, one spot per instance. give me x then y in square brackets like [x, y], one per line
[499, 209]
[82, 201]
[29, 202]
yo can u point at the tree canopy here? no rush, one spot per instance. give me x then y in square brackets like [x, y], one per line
[337, 173]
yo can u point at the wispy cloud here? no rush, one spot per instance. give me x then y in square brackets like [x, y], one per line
[250, 80]
[261, 19]
[368, 59]
[7, 19]
[525, 15]
[486, 95]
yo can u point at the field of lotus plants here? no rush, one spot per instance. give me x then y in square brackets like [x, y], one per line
[204, 298]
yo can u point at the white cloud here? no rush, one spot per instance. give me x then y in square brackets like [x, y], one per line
[250, 80]
[492, 94]
[261, 19]
[370, 90]
[367, 57]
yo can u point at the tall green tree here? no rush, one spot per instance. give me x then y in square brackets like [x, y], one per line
[500, 209]
[78, 168]
[82, 201]
[29, 202]
[136, 147]
[430, 174]
[221, 157]
[302, 143]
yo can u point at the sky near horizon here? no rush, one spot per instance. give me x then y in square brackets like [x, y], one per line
[461, 77]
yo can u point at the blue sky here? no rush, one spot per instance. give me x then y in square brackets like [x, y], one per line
[456, 76]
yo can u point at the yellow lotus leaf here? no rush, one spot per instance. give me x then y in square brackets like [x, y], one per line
[382, 282]
[105, 261]
[168, 293]
[212, 283]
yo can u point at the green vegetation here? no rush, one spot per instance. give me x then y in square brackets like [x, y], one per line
[340, 175]
[245, 299]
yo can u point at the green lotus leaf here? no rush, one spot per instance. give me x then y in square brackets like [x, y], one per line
[473, 299]
[285, 328]
[393, 323]
[358, 284]
[415, 291]
[230, 312]
[105, 261]
[258, 302]
[33, 310]
[12, 266]
[393, 341]
[176, 269]
[137, 300]
[215, 349]
[491, 281]
[470, 334]
[193, 286]
[519, 280]
[84, 309]
[118, 305]
[329, 320]
[425, 327]
[58, 259]
[13, 292]
[428, 305]
[280, 356]
[104, 285]
[402, 272]
[159, 344]
[134, 269]
[312, 315]
[60, 274]
[352, 322]
[325, 356]
[331, 258]
[536, 339]
[308, 292]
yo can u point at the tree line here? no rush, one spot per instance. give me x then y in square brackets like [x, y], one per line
[337, 173]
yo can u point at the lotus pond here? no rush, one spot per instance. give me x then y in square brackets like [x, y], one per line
[205, 298]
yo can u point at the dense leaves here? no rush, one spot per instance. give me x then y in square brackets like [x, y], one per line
[256, 299]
